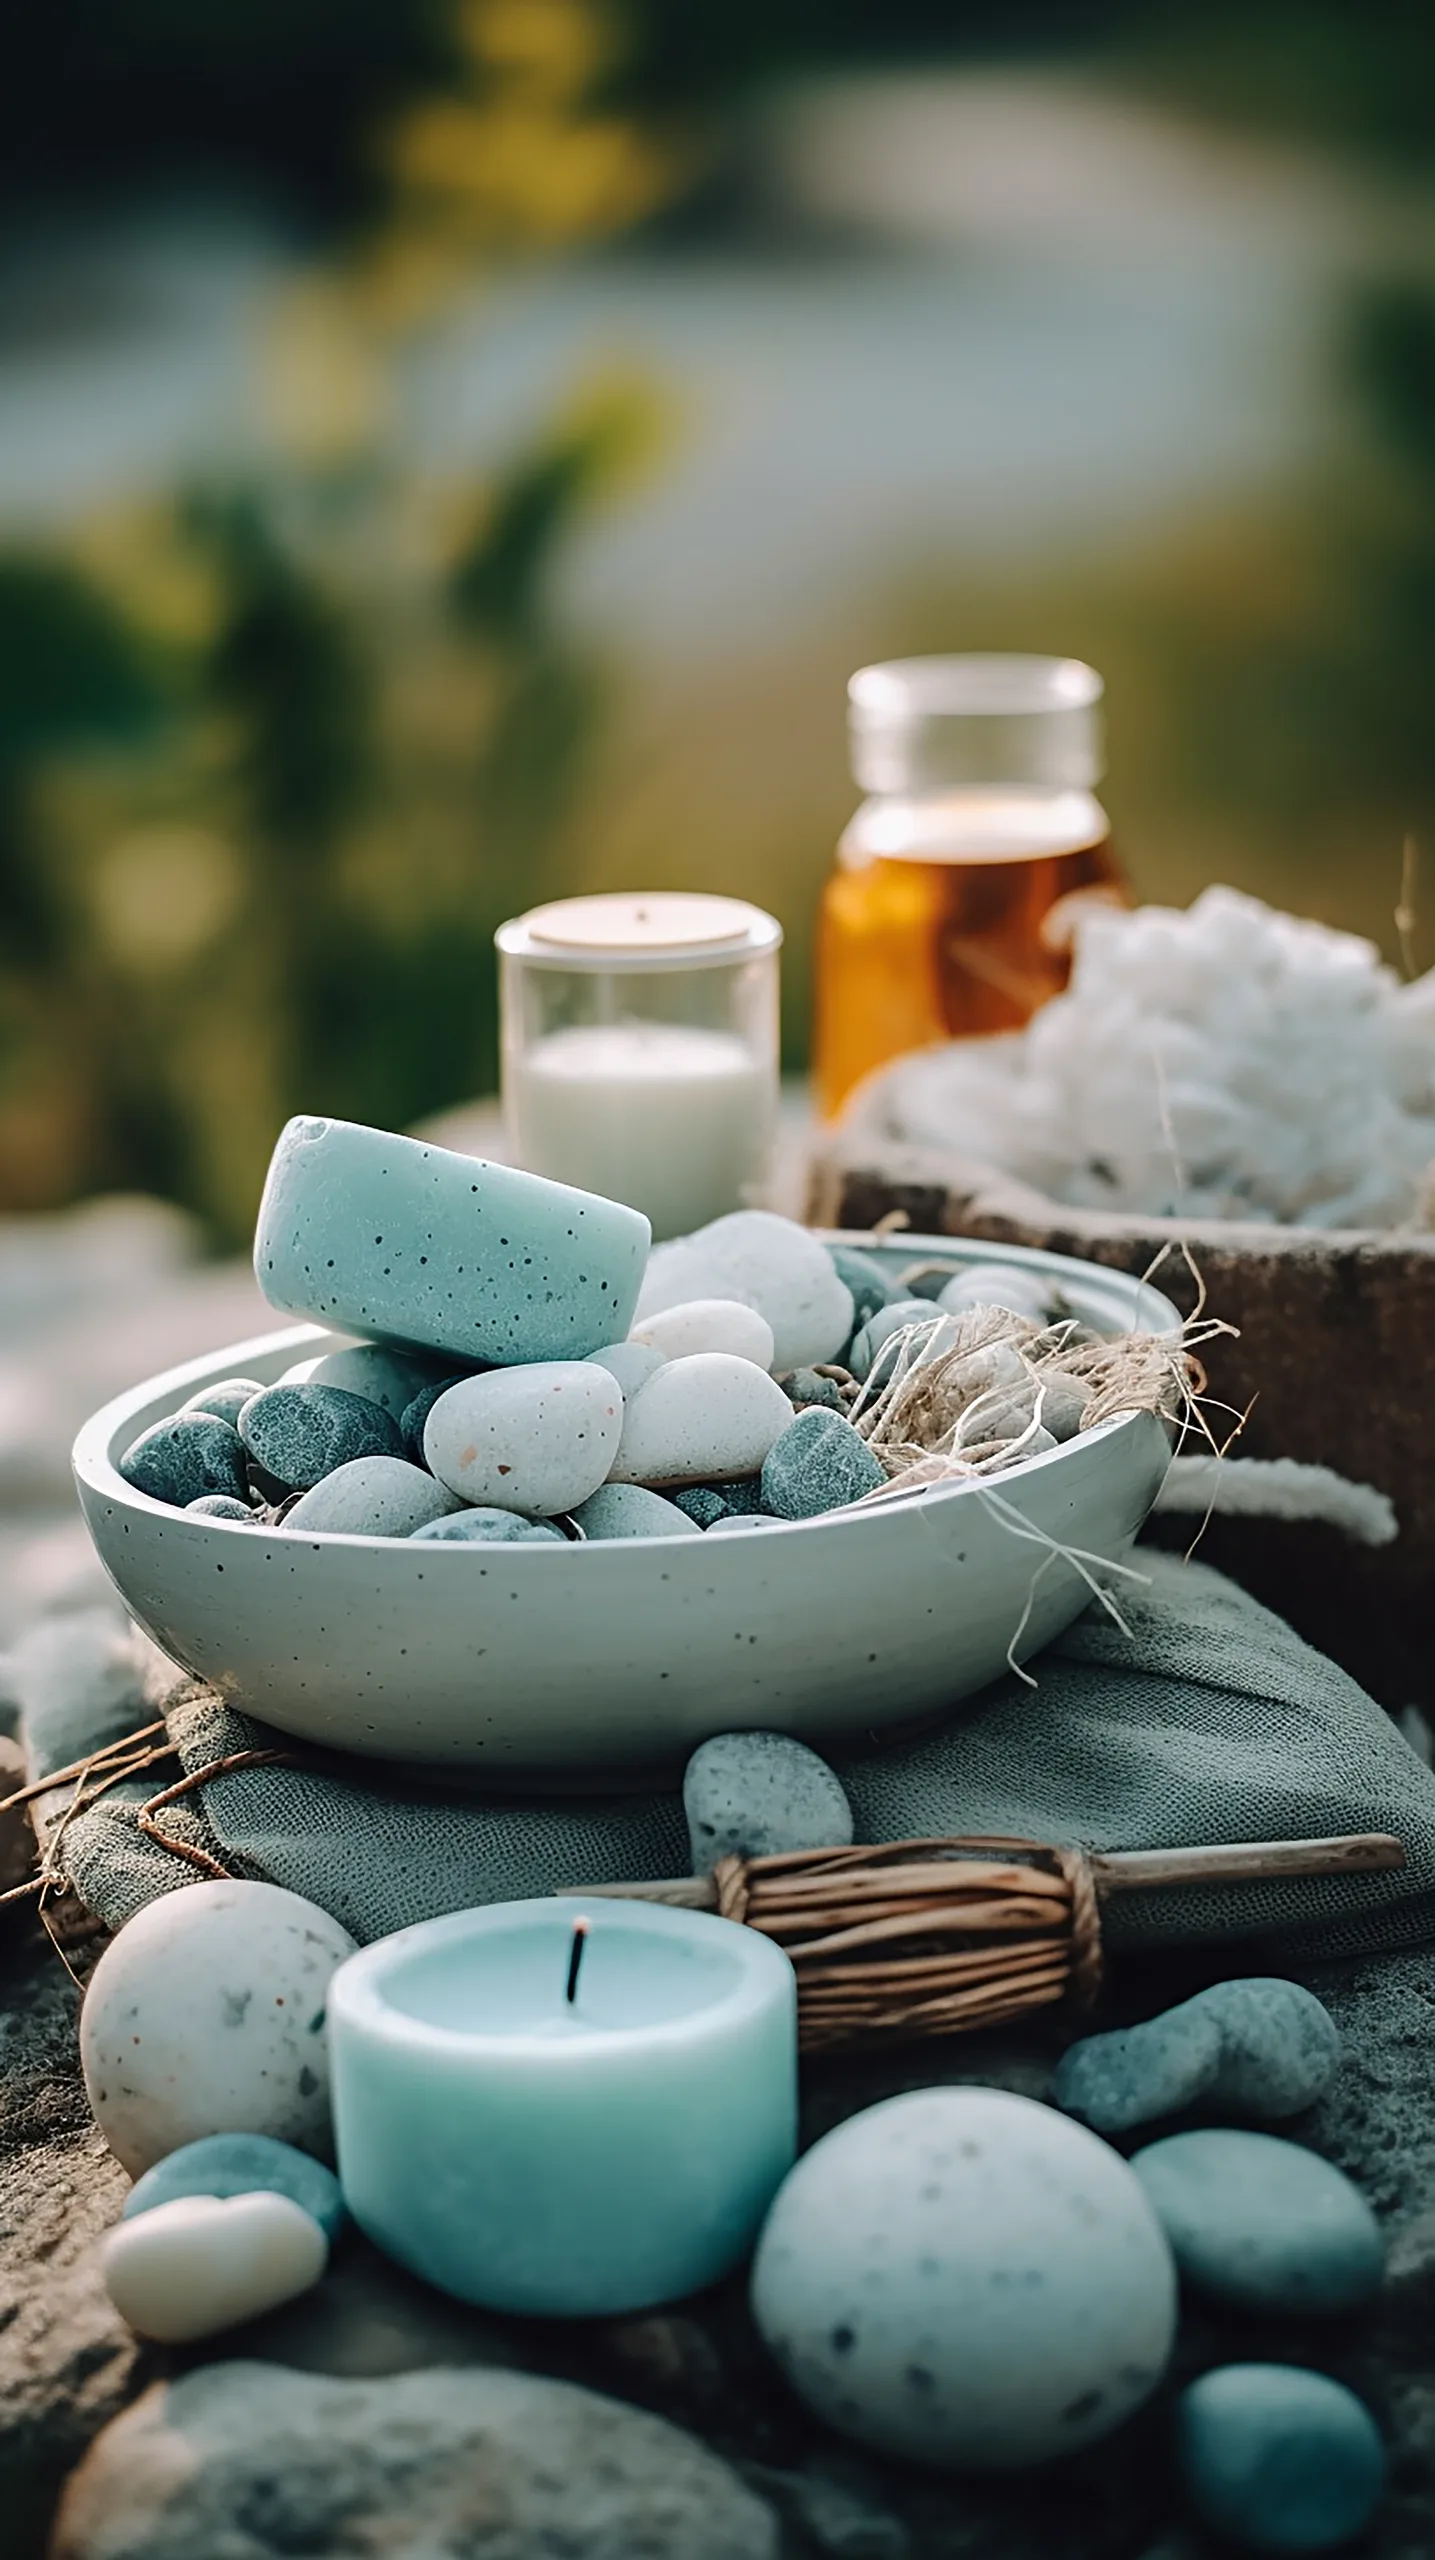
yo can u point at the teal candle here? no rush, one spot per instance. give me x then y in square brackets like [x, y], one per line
[533, 2152]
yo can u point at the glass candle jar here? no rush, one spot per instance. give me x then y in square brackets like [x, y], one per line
[951, 908]
[640, 1049]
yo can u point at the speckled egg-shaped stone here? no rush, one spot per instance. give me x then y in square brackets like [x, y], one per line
[767, 1262]
[226, 1400]
[299, 1435]
[207, 2015]
[535, 1440]
[866, 1280]
[963, 2278]
[223, 1506]
[709, 1324]
[1262, 2222]
[999, 1284]
[376, 1370]
[709, 1415]
[202, 2264]
[392, 1237]
[373, 1498]
[1260, 2047]
[818, 1463]
[630, 1511]
[189, 1454]
[241, 2164]
[753, 1795]
[486, 1526]
[1276, 2458]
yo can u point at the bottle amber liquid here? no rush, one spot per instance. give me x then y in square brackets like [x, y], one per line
[951, 910]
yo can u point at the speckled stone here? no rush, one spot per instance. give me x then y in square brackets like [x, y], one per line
[223, 1506]
[631, 1363]
[708, 1415]
[207, 2014]
[1262, 2222]
[1261, 2048]
[630, 1511]
[866, 1279]
[376, 1370]
[416, 1414]
[752, 1795]
[819, 1464]
[706, 1503]
[803, 1387]
[299, 1435]
[241, 2164]
[373, 1498]
[486, 1526]
[538, 1439]
[202, 2264]
[962, 2278]
[767, 1262]
[1275, 2458]
[999, 1284]
[187, 1455]
[708, 1324]
[226, 1400]
[391, 1237]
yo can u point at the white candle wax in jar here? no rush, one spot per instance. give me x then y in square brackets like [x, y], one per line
[674, 1120]
[640, 1050]
[535, 2153]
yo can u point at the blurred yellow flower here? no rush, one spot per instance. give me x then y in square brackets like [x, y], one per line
[322, 393]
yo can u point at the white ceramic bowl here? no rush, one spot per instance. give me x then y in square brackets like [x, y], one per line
[608, 1662]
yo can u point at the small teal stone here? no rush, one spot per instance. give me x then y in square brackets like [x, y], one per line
[818, 1463]
[416, 1414]
[630, 1511]
[867, 1281]
[705, 1503]
[484, 1527]
[374, 1369]
[226, 1401]
[1260, 2047]
[803, 1388]
[242, 2164]
[222, 1506]
[390, 1237]
[754, 1795]
[1278, 2459]
[1262, 2222]
[299, 1435]
[882, 1328]
[188, 1455]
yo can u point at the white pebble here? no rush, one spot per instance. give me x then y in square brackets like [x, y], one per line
[207, 2015]
[538, 1439]
[710, 1415]
[631, 1363]
[709, 1324]
[767, 1262]
[952, 2280]
[200, 2264]
[372, 1498]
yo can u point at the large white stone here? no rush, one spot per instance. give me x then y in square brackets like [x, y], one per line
[207, 2015]
[767, 1262]
[537, 1440]
[710, 1415]
[951, 2279]
[200, 2264]
[373, 1498]
[709, 1324]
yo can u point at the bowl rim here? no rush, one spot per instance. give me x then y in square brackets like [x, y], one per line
[97, 1474]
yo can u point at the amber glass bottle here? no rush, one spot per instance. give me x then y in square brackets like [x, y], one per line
[951, 906]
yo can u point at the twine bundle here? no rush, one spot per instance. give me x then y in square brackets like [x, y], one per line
[937, 1937]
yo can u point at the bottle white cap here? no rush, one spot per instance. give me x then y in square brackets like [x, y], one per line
[639, 930]
[935, 724]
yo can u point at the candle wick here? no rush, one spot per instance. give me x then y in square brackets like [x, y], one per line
[580, 1940]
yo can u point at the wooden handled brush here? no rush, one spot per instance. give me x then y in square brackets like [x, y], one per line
[934, 1937]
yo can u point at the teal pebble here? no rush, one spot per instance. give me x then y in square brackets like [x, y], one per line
[881, 1329]
[188, 1455]
[819, 1463]
[1261, 2222]
[222, 1506]
[387, 1377]
[867, 1281]
[1259, 2047]
[804, 1388]
[706, 1503]
[388, 1236]
[630, 1511]
[484, 1527]
[1278, 2459]
[226, 1401]
[416, 1414]
[242, 2164]
[299, 1435]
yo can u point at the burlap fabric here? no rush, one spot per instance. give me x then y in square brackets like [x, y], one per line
[1208, 1721]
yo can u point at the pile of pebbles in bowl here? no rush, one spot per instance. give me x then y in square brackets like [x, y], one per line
[536, 1374]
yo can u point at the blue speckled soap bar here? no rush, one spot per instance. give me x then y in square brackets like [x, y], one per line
[410, 1243]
